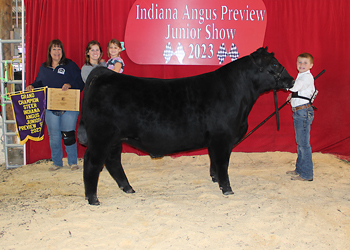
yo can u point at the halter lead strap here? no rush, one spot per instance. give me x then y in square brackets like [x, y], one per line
[277, 77]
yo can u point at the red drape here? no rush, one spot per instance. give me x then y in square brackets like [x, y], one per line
[293, 26]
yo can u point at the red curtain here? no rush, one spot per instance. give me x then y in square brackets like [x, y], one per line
[293, 27]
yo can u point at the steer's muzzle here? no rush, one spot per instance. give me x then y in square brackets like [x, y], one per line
[290, 84]
[286, 79]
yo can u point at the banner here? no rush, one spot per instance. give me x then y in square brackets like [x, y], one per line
[29, 113]
[194, 32]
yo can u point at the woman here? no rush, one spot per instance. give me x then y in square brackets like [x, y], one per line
[60, 72]
[93, 58]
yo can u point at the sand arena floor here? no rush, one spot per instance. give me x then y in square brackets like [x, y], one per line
[176, 206]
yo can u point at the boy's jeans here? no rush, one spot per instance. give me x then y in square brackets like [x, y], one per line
[55, 124]
[302, 124]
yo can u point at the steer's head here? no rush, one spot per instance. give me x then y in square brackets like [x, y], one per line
[272, 75]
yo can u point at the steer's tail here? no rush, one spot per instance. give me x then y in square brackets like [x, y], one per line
[81, 134]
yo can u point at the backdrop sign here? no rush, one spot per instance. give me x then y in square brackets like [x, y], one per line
[29, 112]
[194, 32]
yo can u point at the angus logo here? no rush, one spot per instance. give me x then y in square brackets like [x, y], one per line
[194, 32]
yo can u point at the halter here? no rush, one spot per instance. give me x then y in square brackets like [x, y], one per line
[277, 76]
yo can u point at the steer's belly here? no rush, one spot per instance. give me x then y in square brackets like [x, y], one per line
[157, 144]
[165, 136]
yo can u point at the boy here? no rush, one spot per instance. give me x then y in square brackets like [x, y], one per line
[303, 115]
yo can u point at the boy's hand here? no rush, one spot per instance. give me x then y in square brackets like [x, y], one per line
[289, 97]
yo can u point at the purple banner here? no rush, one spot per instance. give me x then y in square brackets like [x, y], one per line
[29, 112]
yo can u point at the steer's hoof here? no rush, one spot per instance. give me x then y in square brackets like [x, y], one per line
[228, 192]
[128, 190]
[93, 200]
[94, 203]
[154, 156]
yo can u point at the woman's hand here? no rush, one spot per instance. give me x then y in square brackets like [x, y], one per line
[66, 86]
[29, 88]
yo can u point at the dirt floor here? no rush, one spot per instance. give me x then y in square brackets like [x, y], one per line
[176, 206]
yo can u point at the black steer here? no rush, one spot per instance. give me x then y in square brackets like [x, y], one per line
[165, 116]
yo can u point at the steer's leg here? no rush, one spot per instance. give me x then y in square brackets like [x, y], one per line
[219, 152]
[93, 164]
[115, 168]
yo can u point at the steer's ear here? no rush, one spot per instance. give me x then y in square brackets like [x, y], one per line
[266, 48]
[261, 50]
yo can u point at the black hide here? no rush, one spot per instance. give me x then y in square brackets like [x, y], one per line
[165, 116]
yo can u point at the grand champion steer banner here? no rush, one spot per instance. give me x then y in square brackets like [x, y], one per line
[29, 112]
[194, 32]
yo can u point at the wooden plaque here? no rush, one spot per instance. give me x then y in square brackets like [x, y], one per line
[63, 100]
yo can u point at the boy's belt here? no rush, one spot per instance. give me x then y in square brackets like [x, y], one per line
[301, 107]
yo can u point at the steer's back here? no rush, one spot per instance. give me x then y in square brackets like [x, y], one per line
[155, 115]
